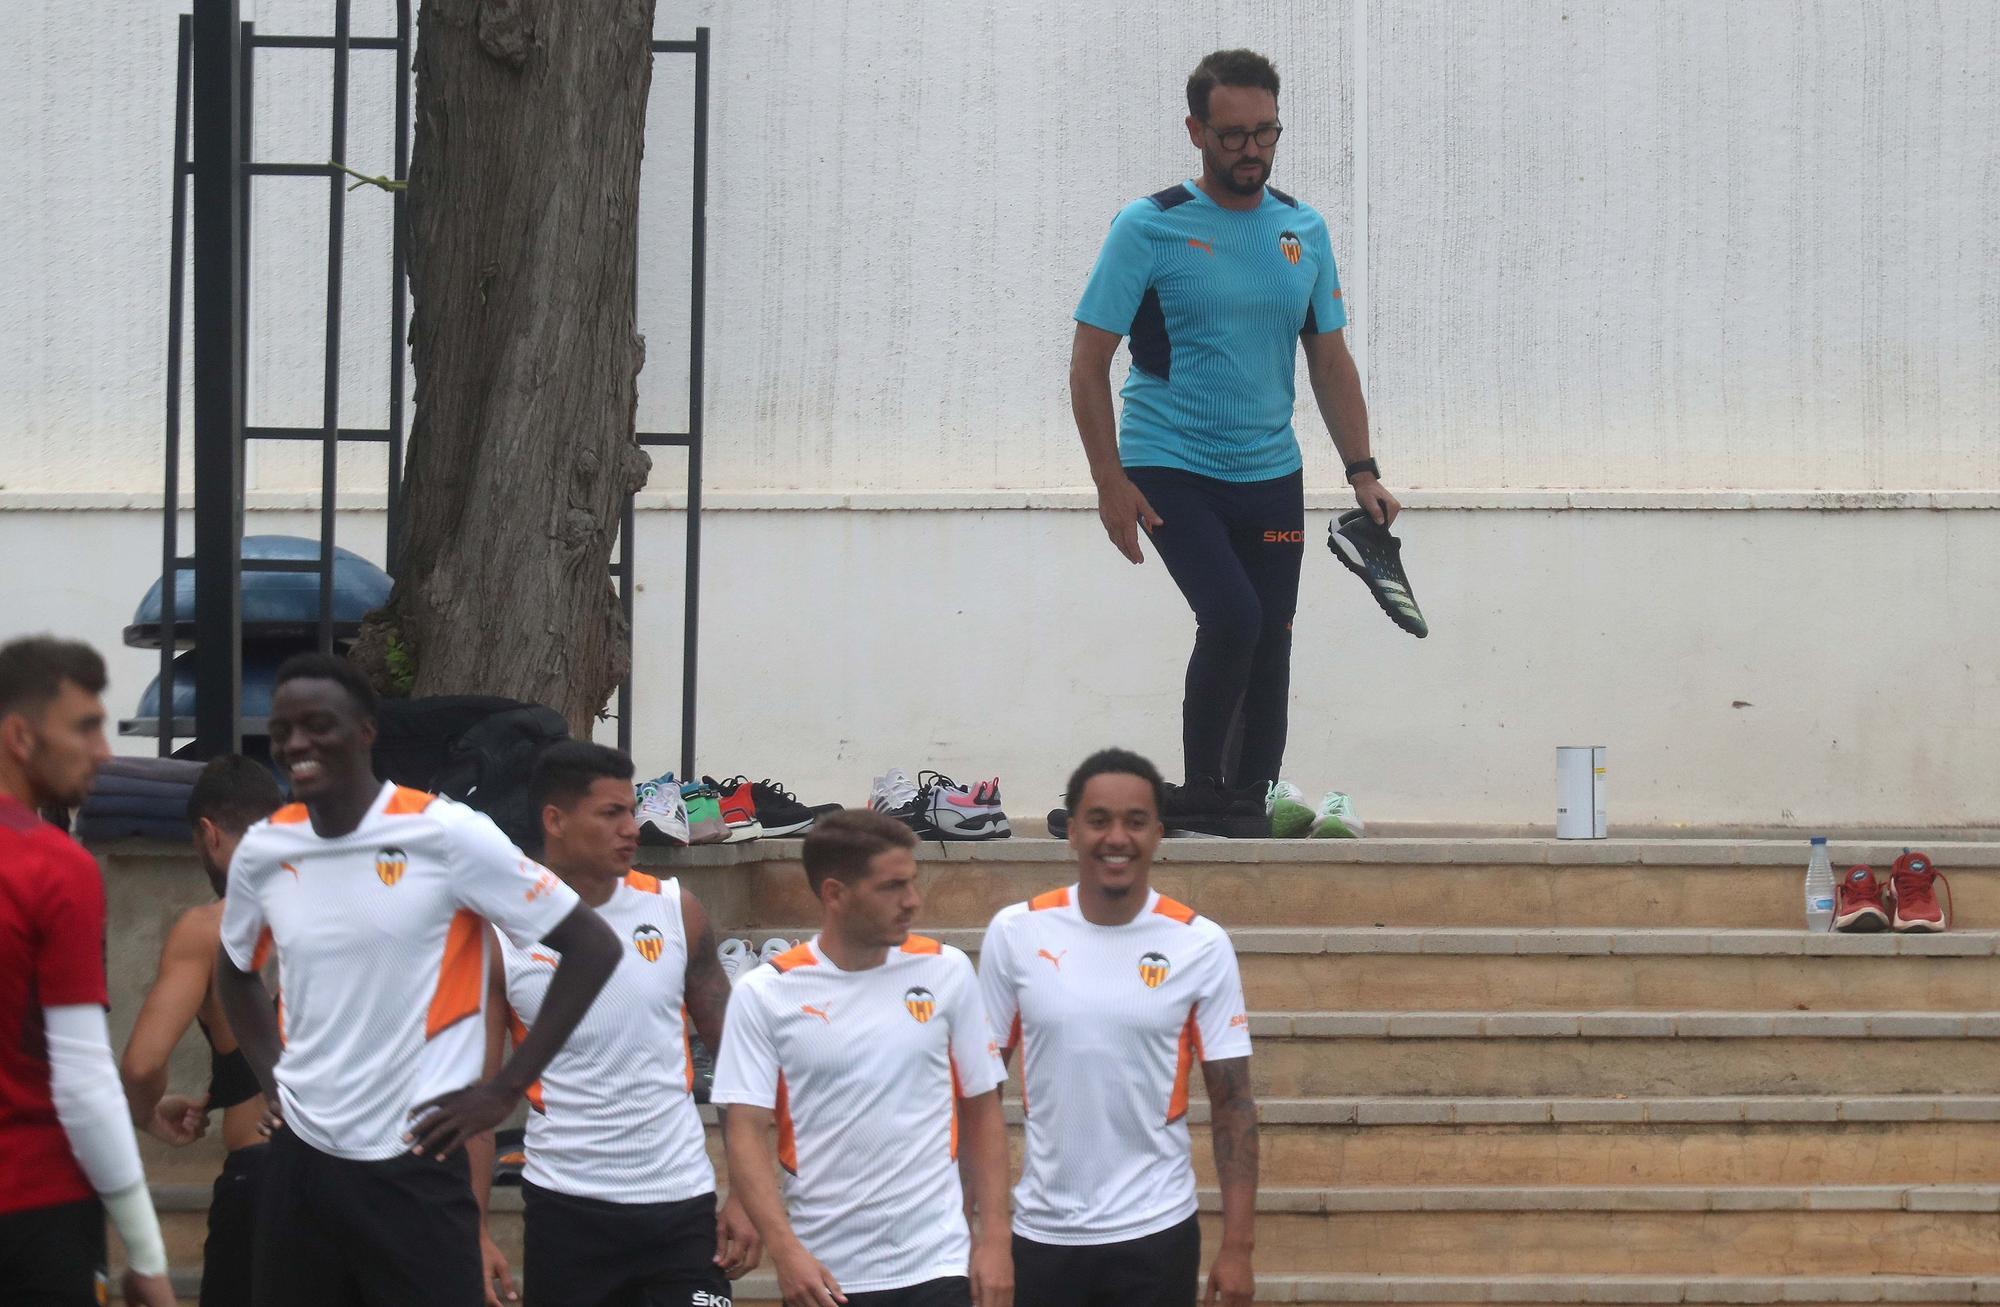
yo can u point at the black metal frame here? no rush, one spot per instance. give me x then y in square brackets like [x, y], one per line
[213, 122]
[690, 440]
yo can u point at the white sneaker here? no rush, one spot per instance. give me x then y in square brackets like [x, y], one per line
[1335, 819]
[772, 948]
[960, 812]
[1291, 816]
[736, 957]
[893, 794]
[662, 813]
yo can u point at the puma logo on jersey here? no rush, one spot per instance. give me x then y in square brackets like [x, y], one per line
[1055, 959]
[1203, 246]
[819, 1012]
[536, 955]
[286, 866]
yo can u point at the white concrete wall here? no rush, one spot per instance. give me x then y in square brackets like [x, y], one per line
[1609, 243]
[836, 644]
[1621, 246]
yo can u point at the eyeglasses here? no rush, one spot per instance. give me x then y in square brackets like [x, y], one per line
[1237, 137]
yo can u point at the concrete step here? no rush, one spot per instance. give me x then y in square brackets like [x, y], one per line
[758, 1289]
[1830, 1140]
[1411, 969]
[1579, 1231]
[1604, 1054]
[1474, 883]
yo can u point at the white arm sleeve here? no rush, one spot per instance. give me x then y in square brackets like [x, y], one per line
[83, 1082]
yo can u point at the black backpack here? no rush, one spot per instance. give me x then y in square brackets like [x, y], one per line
[478, 749]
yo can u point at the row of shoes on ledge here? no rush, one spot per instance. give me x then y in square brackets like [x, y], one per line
[675, 813]
[1206, 809]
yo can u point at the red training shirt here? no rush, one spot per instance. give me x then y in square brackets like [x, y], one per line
[51, 955]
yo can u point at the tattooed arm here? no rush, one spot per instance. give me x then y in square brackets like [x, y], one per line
[1232, 1121]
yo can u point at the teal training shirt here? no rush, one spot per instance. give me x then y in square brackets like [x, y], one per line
[1213, 301]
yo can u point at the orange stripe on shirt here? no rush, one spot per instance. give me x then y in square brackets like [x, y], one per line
[687, 1048]
[290, 815]
[461, 983]
[640, 881]
[956, 1093]
[798, 955]
[262, 953]
[407, 802]
[921, 944]
[1055, 898]
[1175, 909]
[516, 1032]
[788, 1142]
[1189, 1054]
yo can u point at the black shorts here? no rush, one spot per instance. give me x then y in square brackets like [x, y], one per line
[53, 1256]
[232, 1229]
[1158, 1270]
[585, 1252]
[952, 1291]
[338, 1233]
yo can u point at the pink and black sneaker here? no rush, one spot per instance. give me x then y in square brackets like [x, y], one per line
[1857, 903]
[962, 812]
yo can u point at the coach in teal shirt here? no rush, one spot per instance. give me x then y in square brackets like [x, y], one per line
[1215, 282]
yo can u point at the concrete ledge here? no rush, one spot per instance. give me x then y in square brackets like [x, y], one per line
[1608, 1289]
[1729, 1110]
[1451, 941]
[1623, 1025]
[1080, 499]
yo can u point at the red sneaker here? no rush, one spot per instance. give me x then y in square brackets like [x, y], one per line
[1857, 903]
[1916, 908]
[739, 808]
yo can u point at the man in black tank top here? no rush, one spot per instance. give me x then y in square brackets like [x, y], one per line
[233, 794]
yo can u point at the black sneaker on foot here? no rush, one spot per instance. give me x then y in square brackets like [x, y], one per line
[1371, 553]
[1059, 823]
[1202, 807]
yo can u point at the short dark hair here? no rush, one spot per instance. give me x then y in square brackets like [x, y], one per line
[568, 768]
[34, 667]
[325, 667]
[235, 793]
[841, 844]
[1228, 68]
[1115, 762]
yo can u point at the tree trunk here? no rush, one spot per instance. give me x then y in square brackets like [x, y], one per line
[523, 204]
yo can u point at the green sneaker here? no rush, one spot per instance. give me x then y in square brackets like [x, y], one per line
[1285, 805]
[704, 814]
[1335, 819]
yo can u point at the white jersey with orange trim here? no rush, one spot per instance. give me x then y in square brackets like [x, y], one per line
[1111, 1022]
[864, 1070]
[382, 954]
[613, 1115]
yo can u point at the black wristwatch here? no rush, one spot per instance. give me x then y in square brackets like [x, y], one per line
[1360, 465]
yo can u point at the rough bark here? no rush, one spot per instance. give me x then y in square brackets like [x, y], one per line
[523, 201]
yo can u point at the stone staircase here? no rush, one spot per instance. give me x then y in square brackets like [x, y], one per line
[1526, 1071]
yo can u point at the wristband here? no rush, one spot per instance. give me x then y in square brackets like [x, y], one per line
[1360, 465]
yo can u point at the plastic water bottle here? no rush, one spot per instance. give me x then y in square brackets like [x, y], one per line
[1819, 887]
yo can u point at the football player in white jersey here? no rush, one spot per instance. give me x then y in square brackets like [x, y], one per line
[866, 1050]
[619, 1194]
[1113, 992]
[378, 899]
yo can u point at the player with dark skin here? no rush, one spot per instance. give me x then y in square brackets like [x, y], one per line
[322, 738]
[591, 844]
